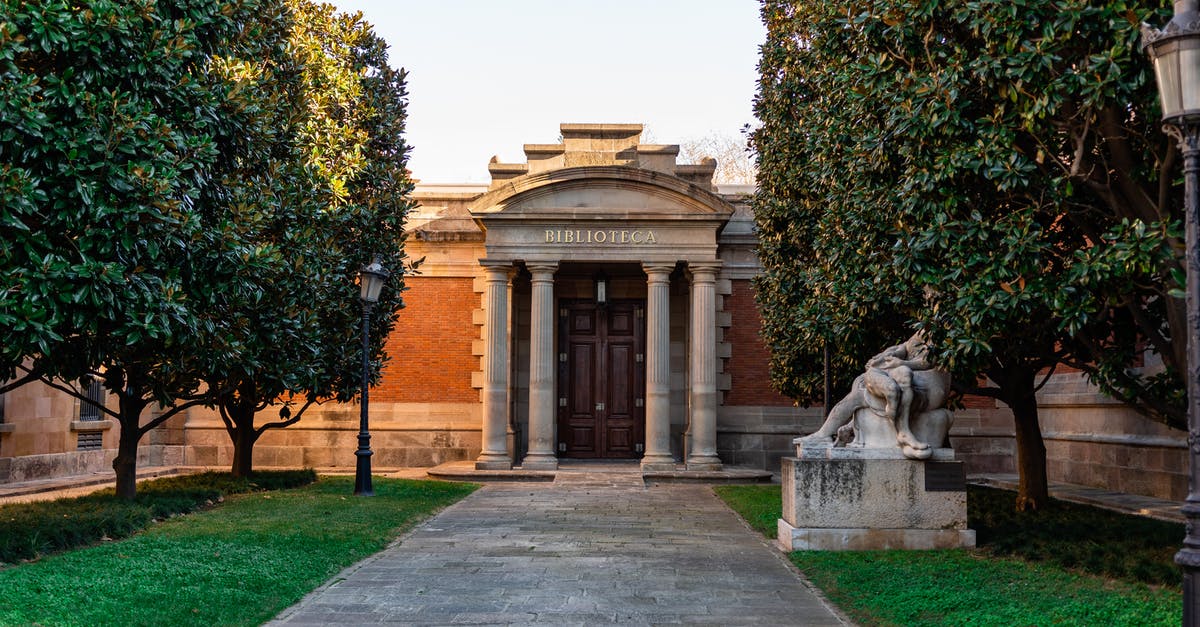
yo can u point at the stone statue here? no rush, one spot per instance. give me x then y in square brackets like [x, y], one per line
[899, 401]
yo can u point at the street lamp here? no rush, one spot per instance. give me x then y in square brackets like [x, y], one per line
[1175, 51]
[370, 280]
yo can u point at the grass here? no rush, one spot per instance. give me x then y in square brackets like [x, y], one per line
[237, 564]
[29, 530]
[1050, 584]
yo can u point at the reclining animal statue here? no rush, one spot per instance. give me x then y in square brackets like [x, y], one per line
[900, 401]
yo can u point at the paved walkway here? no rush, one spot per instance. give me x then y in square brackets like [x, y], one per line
[1170, 511]
[588, 548]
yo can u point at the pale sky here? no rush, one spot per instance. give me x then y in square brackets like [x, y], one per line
[488, 76]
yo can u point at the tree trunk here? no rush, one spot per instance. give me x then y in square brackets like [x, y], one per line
[1032, 489]
[125, 464]
[244, 437]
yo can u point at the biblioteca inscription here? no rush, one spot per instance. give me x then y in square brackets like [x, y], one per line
[599, 236]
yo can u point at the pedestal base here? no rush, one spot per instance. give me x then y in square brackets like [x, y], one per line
[658, 463]
[793, 539]
[873, 501]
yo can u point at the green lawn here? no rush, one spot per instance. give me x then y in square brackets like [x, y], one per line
[981, 587]
[238, 564]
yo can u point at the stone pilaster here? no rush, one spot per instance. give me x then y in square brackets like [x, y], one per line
[703, 430]
[495, 370]
[541, 453]
[658, 368]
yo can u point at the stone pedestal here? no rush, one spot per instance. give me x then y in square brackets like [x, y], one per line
[837, 499]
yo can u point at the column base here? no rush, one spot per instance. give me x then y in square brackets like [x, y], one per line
[493, 462]
[658, 463]
[539, 461]
[704, 462]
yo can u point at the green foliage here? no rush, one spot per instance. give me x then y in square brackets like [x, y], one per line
[188, 191]
[959, 588]
[345, 160]
[1076, 537]
[760, 505]
[1066, 549]
[989, 172]
[1101, 542]
[238, 564]
[29, 530]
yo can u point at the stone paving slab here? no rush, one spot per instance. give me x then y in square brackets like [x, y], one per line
[579, 551]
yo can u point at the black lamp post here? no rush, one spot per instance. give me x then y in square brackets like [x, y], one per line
[1175, 51]
[370, 280]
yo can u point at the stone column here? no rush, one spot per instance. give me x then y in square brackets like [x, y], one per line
[703, 431]
[495, 369]
[541, 453]
[658, 368]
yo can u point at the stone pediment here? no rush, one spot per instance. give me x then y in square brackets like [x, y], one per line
[599, 193]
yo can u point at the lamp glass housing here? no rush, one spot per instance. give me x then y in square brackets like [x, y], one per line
[601, 281]
[1177, 68]
[371, 279]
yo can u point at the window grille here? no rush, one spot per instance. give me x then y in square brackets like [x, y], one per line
[95, 393]
[90, 440]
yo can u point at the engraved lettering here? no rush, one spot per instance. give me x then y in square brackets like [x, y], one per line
[634, 237]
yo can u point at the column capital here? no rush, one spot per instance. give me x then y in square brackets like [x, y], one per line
[541, 267]
[705, 270]
[651, 268]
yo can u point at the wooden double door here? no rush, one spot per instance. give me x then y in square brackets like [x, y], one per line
[602, 379]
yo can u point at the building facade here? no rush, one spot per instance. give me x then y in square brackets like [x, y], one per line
[594, 302]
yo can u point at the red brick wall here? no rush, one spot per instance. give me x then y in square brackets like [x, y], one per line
[748, 366]
[430, 348]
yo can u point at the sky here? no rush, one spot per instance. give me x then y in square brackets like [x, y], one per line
[487, 77]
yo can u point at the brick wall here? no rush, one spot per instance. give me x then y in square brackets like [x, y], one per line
[430, 348]
[749, 363]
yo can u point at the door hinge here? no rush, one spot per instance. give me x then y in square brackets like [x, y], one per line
[640, 402]
[638, 312]
[562, 357]
[562, 447]
[639, 448]
[562, 401]
[640, 357]
[599, 406]
[562, 312]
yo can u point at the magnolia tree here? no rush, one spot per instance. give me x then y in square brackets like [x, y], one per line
[188, 190]
[992, 175]
[349, 134]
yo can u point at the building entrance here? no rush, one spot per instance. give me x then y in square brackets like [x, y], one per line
[602, 379]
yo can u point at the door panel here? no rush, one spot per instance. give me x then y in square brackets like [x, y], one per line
[601, 379]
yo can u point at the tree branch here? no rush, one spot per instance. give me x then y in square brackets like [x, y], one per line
[289, 422]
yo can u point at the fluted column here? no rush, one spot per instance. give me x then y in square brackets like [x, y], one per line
[703, 431]
[495, 369]
[541, 453]
[658, 368]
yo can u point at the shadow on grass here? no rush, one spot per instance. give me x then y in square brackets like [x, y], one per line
[1078, 565]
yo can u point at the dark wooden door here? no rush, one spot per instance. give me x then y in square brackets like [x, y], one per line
[601, 377]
